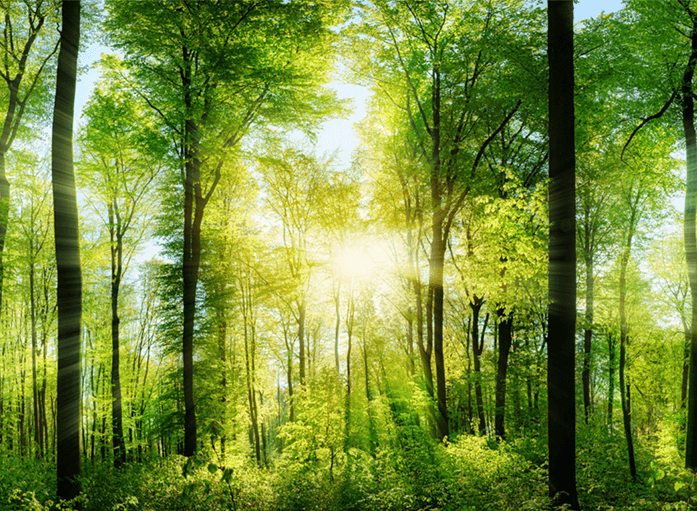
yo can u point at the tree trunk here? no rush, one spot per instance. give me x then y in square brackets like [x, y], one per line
[611, 377]
[437, 262]
[690, 236]
[588, 330]
[301, 339]
[505, 341]
[562, 256]
[116, 274]
[38, 436]
[68, 455]
[477, 350]
[337, 325]
[624, 341]
[685, 367]
[222, 352]
[193, 216]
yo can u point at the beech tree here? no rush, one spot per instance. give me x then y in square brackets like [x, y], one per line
[119, 166]
[28, 44]
[562, 256]
[68, 451]
[191, 64]
[441, 56]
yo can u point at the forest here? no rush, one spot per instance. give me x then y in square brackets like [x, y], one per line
[491, 304]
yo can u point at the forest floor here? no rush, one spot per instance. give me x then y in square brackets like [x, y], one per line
[468, 474]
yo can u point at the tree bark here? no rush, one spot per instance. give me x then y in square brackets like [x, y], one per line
[624, 341]
[690, 236]
[68, 455]
[193, 217]
[588, 330]
[611, 378]
[477, 350]
[116, 274]
[562, 256]
[505, 341]
[301, 339]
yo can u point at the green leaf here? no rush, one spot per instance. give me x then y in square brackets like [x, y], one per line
[212, 468]
[678, 485]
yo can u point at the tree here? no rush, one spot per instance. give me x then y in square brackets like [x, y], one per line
[562, 256]
[123, 153]
[212, 71]
[68, 452]
[26, 53]
[431, 60]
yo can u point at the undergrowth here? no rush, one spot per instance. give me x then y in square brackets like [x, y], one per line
[467, 474]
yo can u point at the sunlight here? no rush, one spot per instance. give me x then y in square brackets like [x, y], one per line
[360, 260]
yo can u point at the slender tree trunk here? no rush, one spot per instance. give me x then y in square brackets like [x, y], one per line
[116, 274]
[611, 378]
[222, 352]
[337, 325]
[477, 350]
[301, 339]
[685, 366]
[34, 376]
[624, 341]
[562, 256]
[436, 284]
[690, 236]
[4, 213]
[193, 217]
[588, 330]
[68, 455]
[505, 341]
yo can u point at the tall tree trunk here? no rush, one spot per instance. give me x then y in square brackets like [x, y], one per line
[685, 365]
[690, 236]
[611, 377]
[436, 283]
[505, 341]
[588, 330]
[562, 256]
[193, 216]
[34, 376]
[116, 274]
[301, 339]
[68, 455]
[477, 350]
[624, 341]
[222, 353]
[337, 325]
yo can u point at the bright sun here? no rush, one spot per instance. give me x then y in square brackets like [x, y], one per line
[360, 260]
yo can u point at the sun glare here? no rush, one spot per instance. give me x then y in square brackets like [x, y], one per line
[359, 261]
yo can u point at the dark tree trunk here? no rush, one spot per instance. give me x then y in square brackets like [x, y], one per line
[505, 341]
[222, 352]
[193, 217]
[477, 350]
[611, 378]
[588, 330]
[68, 455]
[116, 274]
[685, 367]
[562, 256]
[690, 235]
[38, 437]
[436, 283]
[624, 341]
